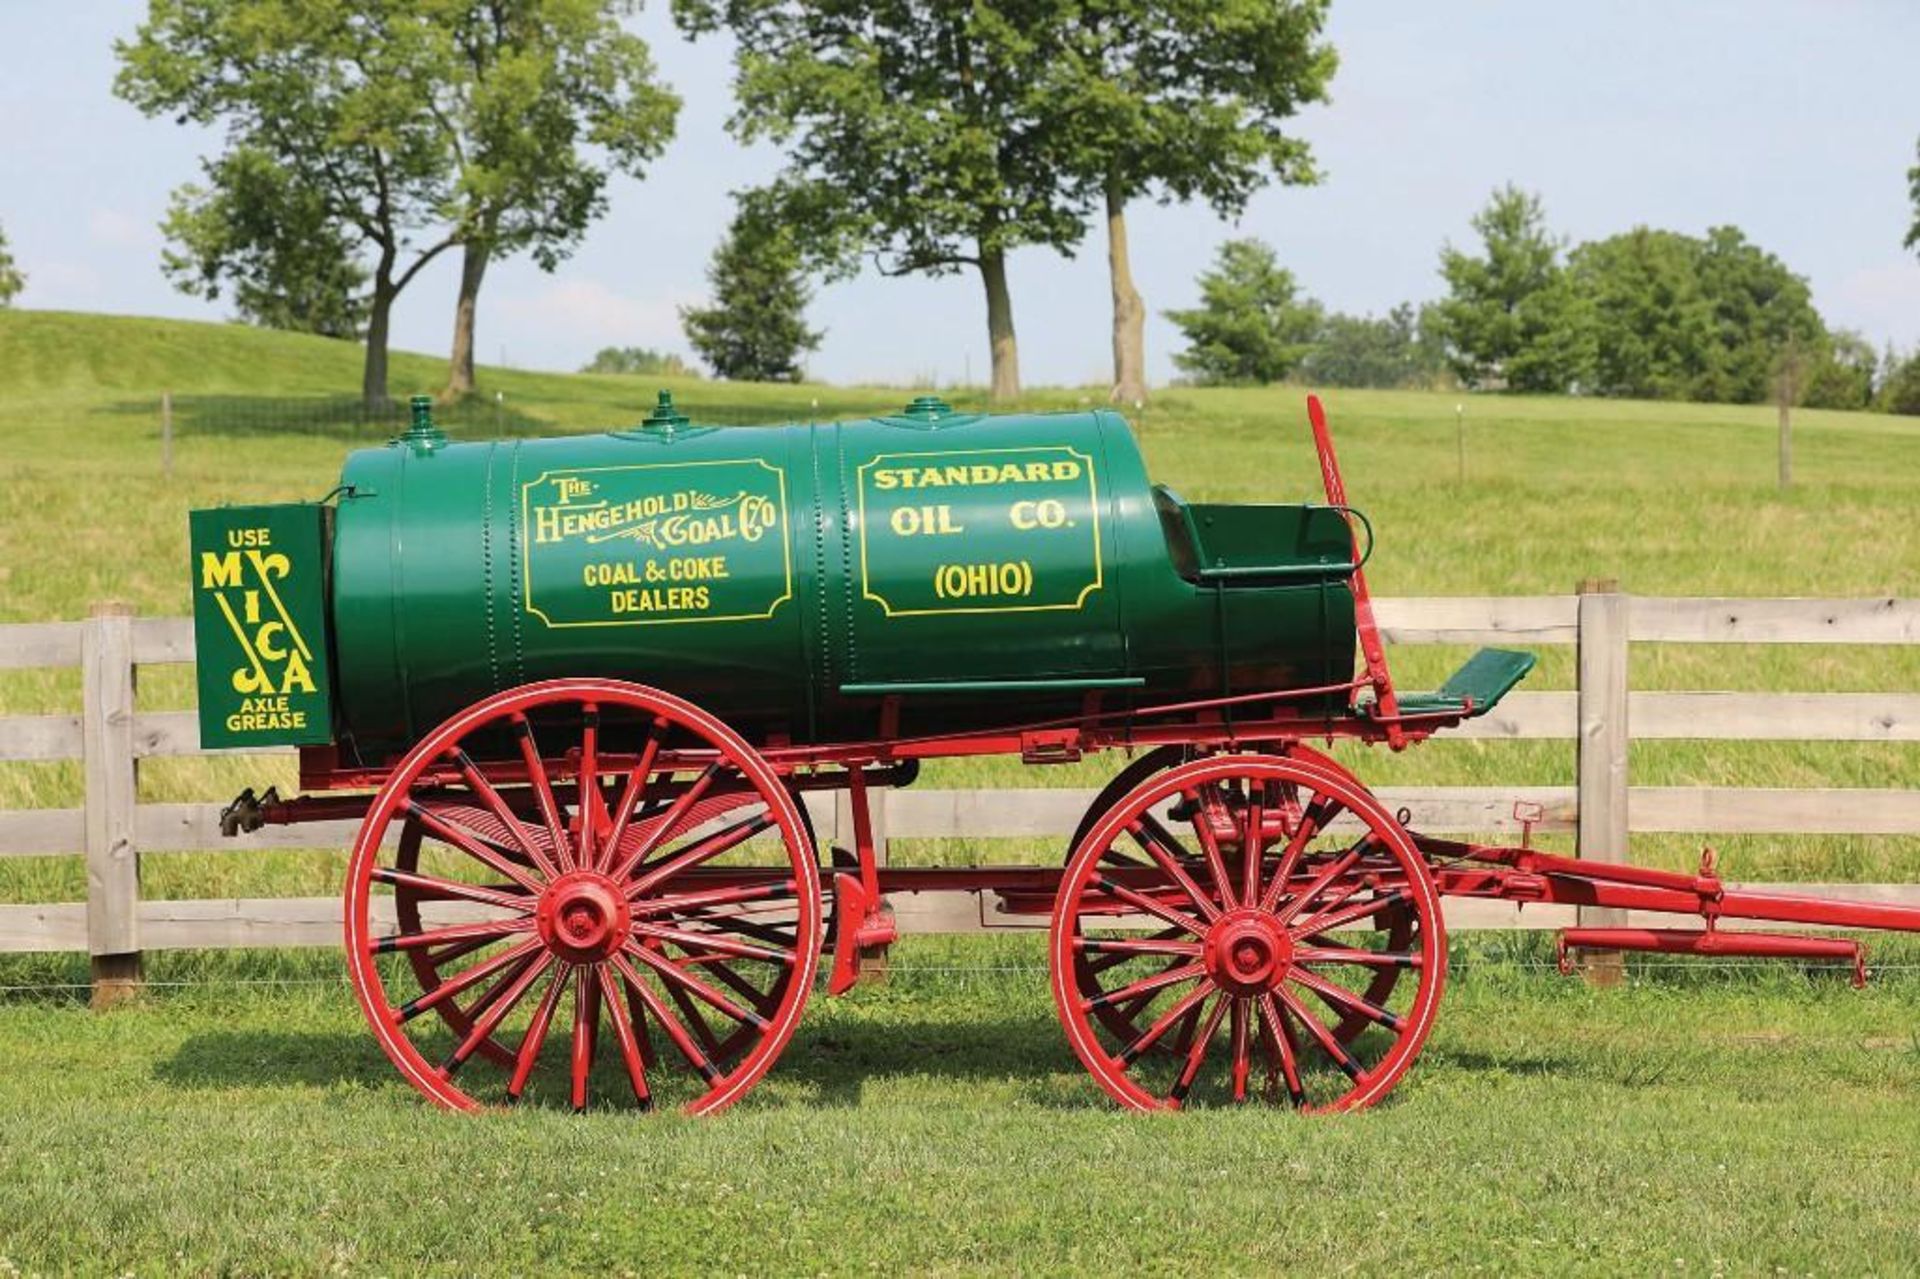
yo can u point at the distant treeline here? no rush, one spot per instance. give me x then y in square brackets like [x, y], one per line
[1646, 314]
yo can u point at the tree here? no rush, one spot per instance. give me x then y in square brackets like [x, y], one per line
[915, 136]
[339, 98]
[1354, 350]
[400, 129]
[531, 82]
[272, 239]
[1680, 317]
[1180, 99]
[1913, 194]
[636, 360]
[1501, 303]
[12, 279]
[756, 329]
[1251, 325]
[1653, 321]
[1901, 392]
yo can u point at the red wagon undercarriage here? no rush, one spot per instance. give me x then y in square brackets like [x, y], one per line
[1237, 918]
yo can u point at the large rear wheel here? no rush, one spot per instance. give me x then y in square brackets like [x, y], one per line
[652, 876]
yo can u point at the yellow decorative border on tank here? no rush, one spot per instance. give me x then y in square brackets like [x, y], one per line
[786, 543]
[1093, 498]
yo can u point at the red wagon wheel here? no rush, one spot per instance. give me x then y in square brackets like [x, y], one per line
[1122, 1019]
[1247, 963]
[432, 967]
[628, 877]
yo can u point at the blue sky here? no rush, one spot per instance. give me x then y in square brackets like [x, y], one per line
[1792, 119]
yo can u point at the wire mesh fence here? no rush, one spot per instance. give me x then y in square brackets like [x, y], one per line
[496, 416]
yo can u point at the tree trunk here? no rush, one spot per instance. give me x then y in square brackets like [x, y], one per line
[1129, 311]
[475, 255]
[1000, 339]
[373, 379]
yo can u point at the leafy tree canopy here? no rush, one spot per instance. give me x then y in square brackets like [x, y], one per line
[1396, 350]
[755, 330]
[12, 279]
[273, 240]
[1682, 317]
[916, 135]
[1252, 325]
[1913, 193]
[1503, 303]
[398, 129]
[637, 359]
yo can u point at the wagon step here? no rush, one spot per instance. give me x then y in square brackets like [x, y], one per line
[1475, 688]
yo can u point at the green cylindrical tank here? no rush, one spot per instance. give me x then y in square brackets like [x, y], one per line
[962, 571]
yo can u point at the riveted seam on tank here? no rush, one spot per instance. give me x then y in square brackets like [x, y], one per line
[513, 565]
[820, 560]
[1115, 530]
[846, 552]
[486, 567]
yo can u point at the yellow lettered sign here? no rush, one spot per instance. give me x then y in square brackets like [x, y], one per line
[259, 621]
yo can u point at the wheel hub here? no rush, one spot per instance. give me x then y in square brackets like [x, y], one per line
[1247, 952]
[583, 917]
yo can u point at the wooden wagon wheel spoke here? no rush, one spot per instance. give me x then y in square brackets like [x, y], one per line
[1202, 801]
[1196, 1052]
[705, 850]
[466, 978]
[1169, 861]
[633, 790]
[536, 1034]
[645, 950]
[481, 850]
[628, 1036]
[1332, 1023]
[1242, 1060]
[495, 1012]
[585, 987]
[496, 803]
[665, 825]
[686, 981]
[1313, 819]
[716, 943]
[1280, 1047]
[432, 886]
[676, 1033]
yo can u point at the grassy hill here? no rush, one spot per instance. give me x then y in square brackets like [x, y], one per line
[1671, 498]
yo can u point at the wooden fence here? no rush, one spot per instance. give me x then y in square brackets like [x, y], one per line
[111, 735]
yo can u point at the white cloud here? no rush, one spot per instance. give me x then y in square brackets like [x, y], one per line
[591, 314]
[1882, 299]
[120, 230]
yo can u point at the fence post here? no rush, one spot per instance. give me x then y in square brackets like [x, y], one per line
[1602, 770]
[113, 862]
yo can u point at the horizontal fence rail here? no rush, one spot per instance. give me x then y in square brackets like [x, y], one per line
[110, 736]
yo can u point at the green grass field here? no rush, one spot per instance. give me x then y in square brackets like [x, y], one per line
[1732, 1120]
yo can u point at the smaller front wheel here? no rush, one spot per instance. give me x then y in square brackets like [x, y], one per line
[1240, 909]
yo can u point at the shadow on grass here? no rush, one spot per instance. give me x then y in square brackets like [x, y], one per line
[831, 1061]
[829, 1064]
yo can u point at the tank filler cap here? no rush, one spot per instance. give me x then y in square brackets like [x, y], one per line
[928, 408]
[421, 433]
[665, 417]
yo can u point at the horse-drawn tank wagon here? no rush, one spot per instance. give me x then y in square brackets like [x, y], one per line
[575, 690]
